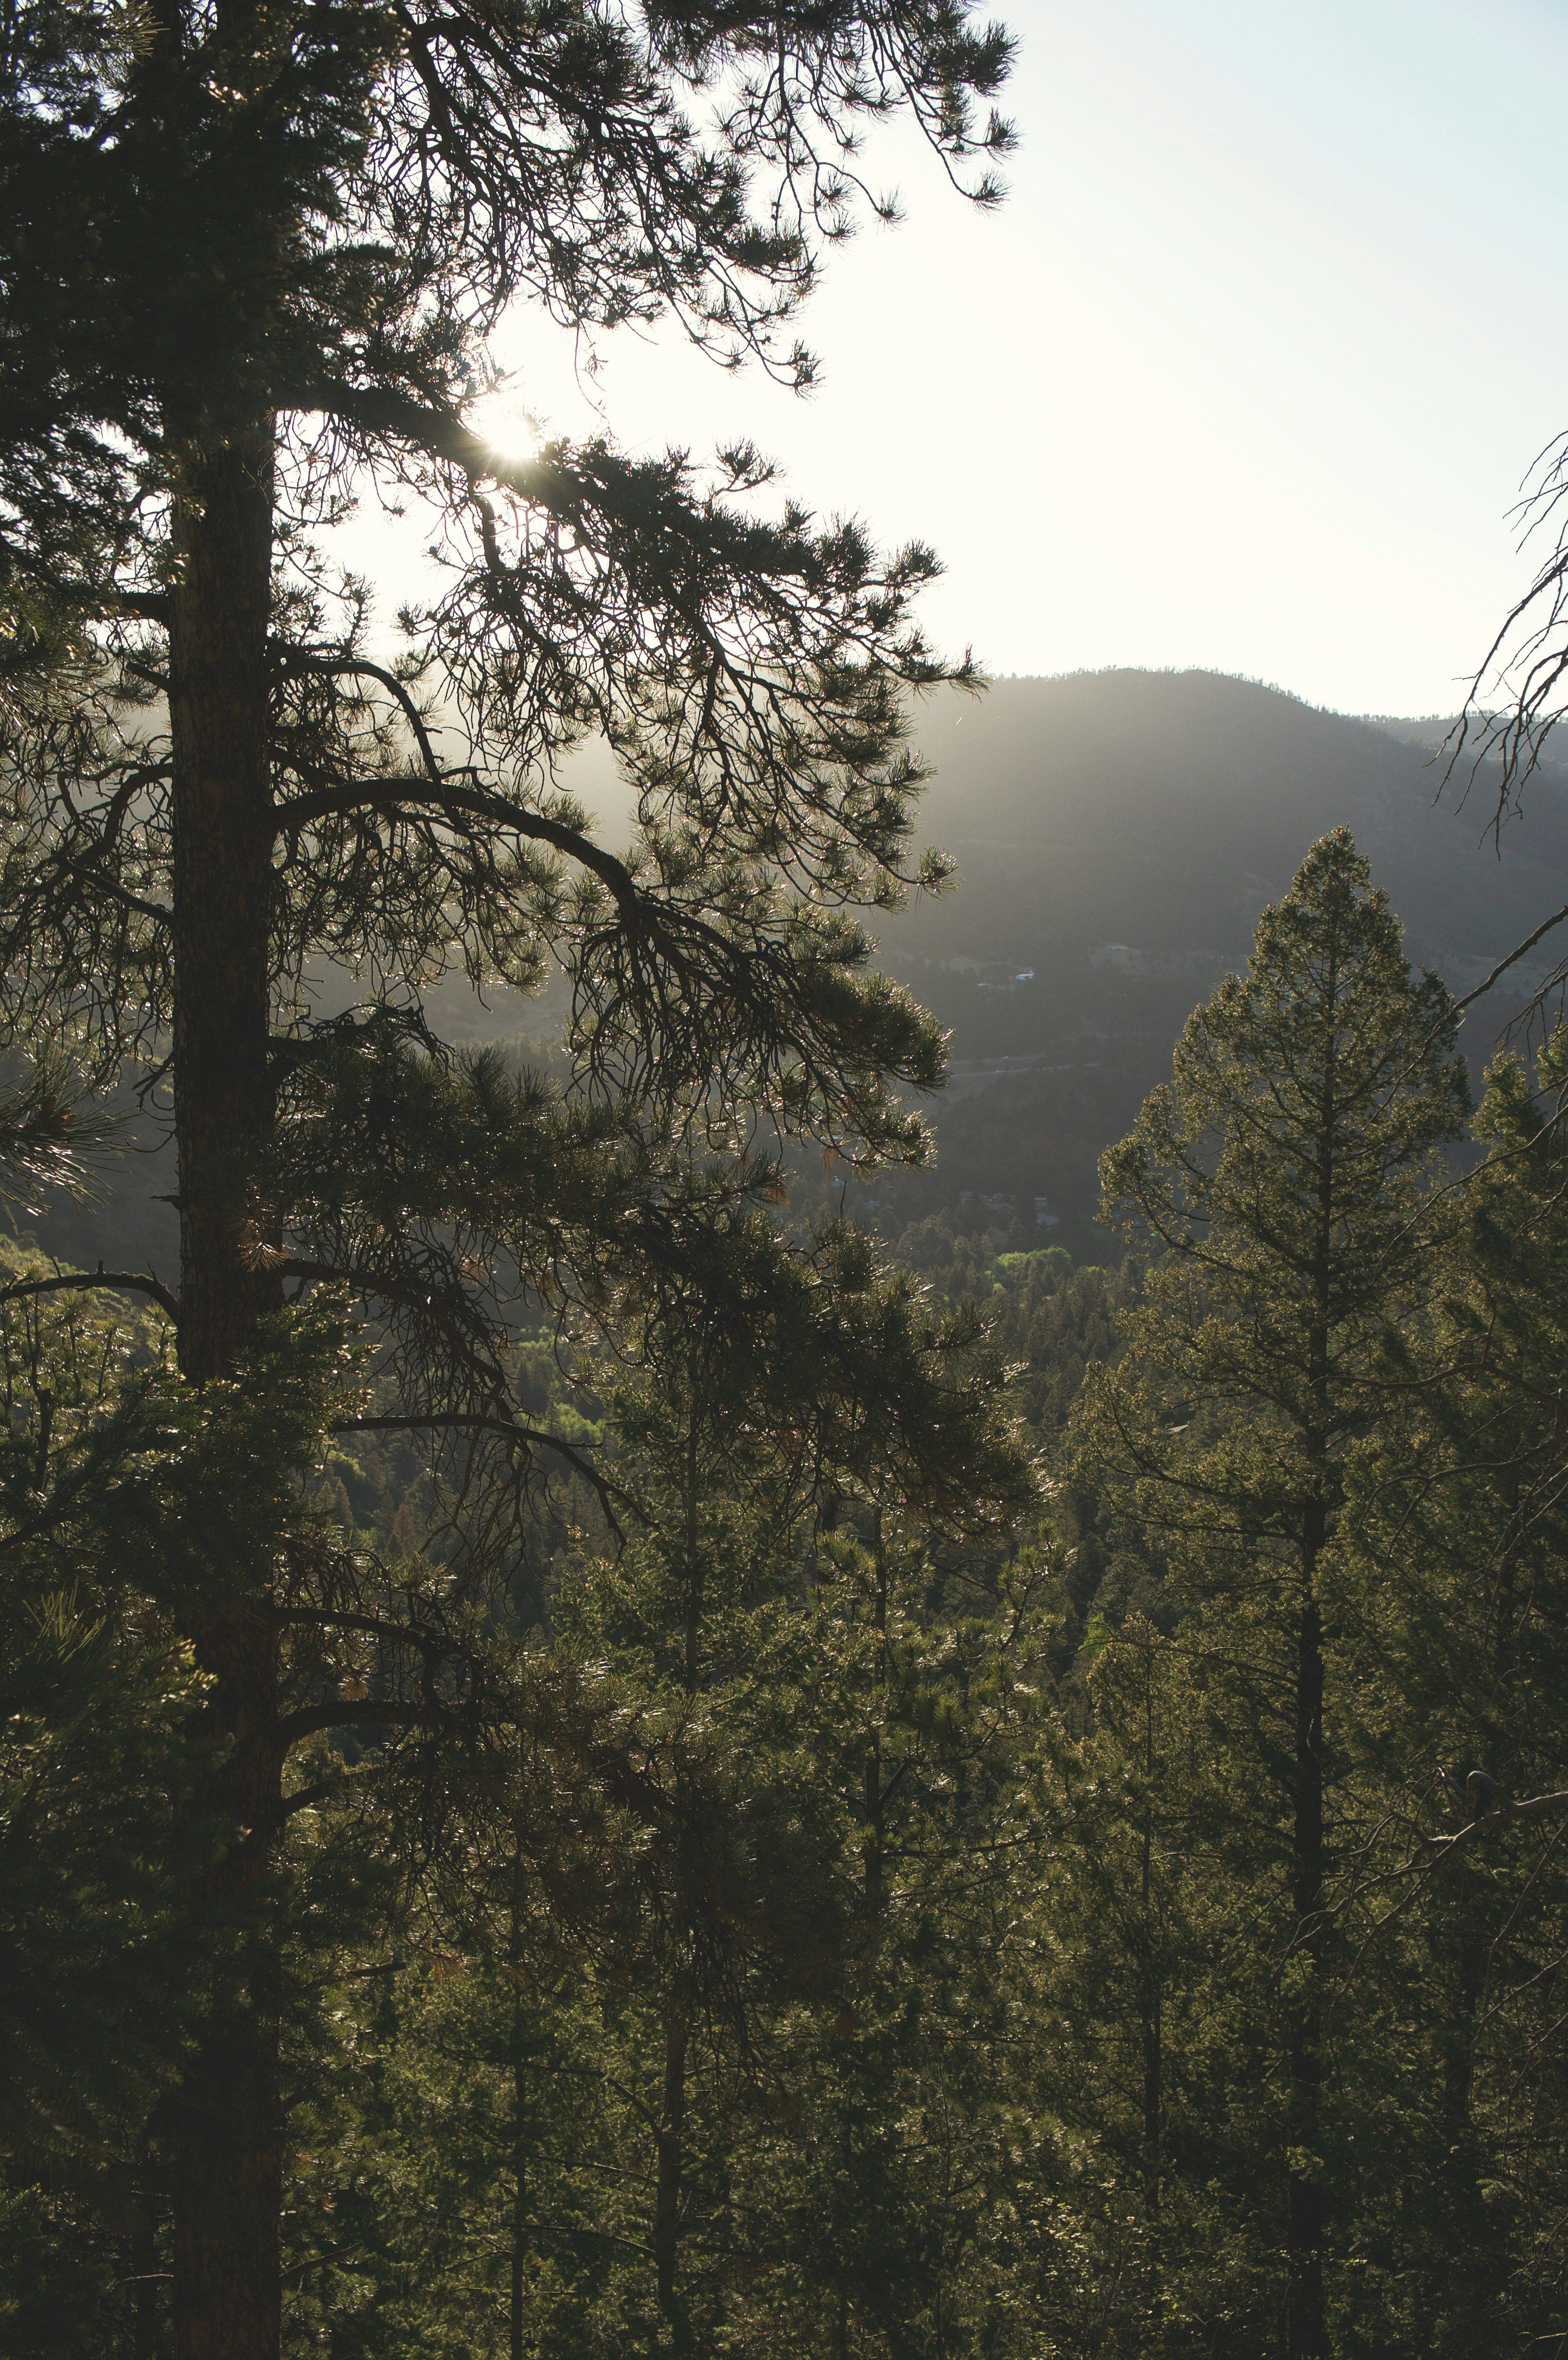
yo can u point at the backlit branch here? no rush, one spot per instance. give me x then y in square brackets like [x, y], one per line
[76, 1282]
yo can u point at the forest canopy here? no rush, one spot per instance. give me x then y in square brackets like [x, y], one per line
[595, 1757]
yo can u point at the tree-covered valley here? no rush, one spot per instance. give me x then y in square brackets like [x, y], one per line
[748, 1605]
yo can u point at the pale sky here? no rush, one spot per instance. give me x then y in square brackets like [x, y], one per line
[1244, 374]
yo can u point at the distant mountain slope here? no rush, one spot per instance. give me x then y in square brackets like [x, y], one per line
[1117, 834]
[1162, 810]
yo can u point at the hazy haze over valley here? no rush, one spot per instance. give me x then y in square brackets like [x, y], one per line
[1117, 834]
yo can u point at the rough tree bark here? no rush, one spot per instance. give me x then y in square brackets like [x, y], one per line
[229, 2178]
[1306, 2335]
[669, 2144]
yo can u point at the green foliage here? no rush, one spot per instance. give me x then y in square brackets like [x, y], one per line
[690, 1860]
[688, 2032]
[250, 259]
[1290, 1183]
[892, 1939]
[1456, 1505]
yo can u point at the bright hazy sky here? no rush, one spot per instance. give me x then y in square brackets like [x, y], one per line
[1244, 374]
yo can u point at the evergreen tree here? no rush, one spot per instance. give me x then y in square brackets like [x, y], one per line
[1287, 1178]
[1457, 1504]
[702, 2086]
[825, 1385]
[1151, 2072]
[119, 1931]
[251, 253]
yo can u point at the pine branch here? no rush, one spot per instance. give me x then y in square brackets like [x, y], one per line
[433, 429]
[389, 796]
[119, 1282]
[387, 1712]
[481, 1422]
[360, 667]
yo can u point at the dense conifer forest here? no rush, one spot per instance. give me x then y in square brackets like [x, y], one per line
[898, 1862]
[607, 1746]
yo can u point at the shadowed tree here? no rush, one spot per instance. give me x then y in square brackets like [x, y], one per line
[1459, 1506]
[1285, 1177]
[251, 253]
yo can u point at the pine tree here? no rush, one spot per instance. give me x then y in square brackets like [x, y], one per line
[1286, 1177]
[252, 250]
[806, 1383]
[120, 1932]
[697, 1996]
[1458, 1505]
[1150, 2077]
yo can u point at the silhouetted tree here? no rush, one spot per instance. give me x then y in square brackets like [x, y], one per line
[251, 253]
[1285, 1177]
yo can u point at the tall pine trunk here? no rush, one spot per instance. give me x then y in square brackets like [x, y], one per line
[670, 2148]
[1150, 1983]
[229, 2176]
[1461, 1944]
[1306, 2318]
[1306, 2329]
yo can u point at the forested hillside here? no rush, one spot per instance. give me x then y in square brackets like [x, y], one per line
[890, 1927]
[631, 1721]
[1117, 834]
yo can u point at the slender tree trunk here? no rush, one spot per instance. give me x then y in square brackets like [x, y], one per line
[670, 2144]
[1306, 2318]
[1306, 2326]
[1151, 1994]
[1150, 2029]
[1463, 1930]
[520, 2060]
[873, 1801]
[516, 2321]
[228, 2191]
[695, 1583]
[1470, 2322]
[144, 2339]
[1464, 1927]
[669, 2137]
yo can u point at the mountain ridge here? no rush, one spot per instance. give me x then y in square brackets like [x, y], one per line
[1117, 834]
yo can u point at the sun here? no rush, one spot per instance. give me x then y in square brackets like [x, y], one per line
[510, 431]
